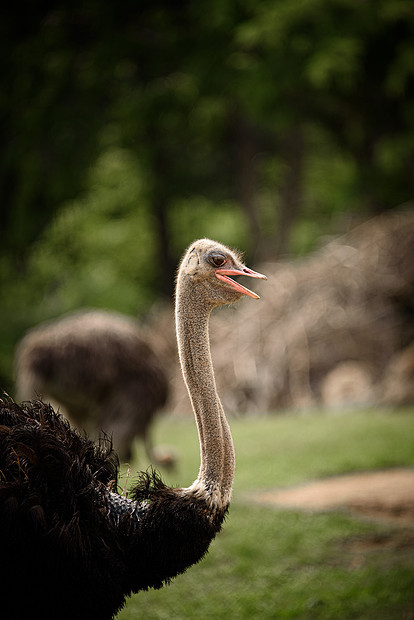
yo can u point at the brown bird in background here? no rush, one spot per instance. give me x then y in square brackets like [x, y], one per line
[98, 367]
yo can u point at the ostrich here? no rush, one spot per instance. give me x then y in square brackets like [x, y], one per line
[97, 366]
[71, 546]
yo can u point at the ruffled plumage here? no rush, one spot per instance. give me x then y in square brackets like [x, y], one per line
[68, 554]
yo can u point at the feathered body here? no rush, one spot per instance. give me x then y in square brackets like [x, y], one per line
[66, 552]
[98, 366]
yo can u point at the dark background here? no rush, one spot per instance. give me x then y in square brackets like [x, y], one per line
[129, 129]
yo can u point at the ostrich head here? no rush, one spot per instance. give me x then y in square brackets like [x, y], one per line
[208, 267]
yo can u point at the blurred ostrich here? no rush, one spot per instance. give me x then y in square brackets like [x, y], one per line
[97, 366]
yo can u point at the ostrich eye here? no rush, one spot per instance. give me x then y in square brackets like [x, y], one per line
[217, 260]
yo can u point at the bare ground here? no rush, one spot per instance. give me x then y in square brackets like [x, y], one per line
[386, 495]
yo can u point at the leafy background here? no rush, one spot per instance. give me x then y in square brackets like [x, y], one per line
[129, 130]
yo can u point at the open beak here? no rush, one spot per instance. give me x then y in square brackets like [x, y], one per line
[223, 274]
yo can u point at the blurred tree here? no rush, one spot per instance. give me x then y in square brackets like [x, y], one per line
[204, 102]
[344, 66]
[51, 106]
[287, 111]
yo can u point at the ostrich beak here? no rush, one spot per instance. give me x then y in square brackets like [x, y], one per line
[222, 274]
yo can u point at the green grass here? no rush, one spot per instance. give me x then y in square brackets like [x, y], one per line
[270, 563]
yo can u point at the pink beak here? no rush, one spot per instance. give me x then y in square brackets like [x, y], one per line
[222, 274]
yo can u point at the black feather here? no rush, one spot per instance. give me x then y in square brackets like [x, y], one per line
[65, 555]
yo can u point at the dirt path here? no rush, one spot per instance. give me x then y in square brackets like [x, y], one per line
[386, 495]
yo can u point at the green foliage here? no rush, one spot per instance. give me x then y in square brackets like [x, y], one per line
[199, 217]
[99, 249]
[168, 84]
[127, 133]
[51, 114]
[102, 251]
[269, 563]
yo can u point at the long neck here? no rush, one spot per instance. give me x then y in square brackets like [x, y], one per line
[217, 466]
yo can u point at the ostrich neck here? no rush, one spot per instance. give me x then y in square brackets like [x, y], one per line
[217, 465]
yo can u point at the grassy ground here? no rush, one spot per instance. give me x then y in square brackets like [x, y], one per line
[270, 563]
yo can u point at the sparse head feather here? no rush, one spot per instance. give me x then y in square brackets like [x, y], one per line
[207, 265]
[204, 247]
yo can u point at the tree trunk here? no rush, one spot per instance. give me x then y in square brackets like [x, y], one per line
[246, 181]
[290, 195]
